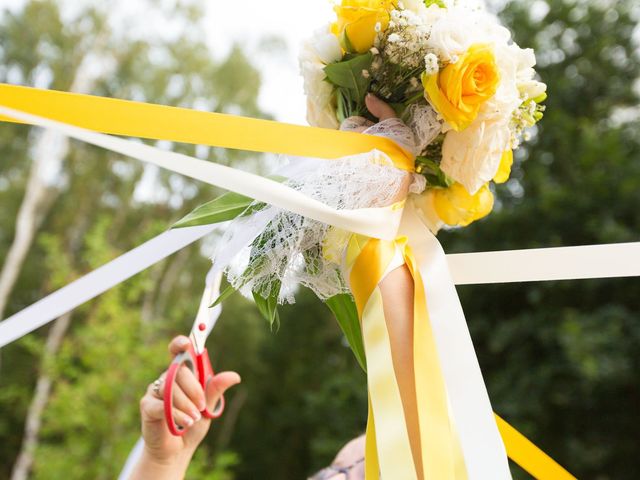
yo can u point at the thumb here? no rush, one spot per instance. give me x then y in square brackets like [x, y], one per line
[220, 384]
[379, 108]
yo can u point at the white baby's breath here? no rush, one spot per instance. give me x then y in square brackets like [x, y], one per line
[431, 63]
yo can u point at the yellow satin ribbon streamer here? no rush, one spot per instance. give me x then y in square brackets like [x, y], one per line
[371, 466]
[441, 452]
[528, 456]
[145, 120]
[135, 119]
[441, 455]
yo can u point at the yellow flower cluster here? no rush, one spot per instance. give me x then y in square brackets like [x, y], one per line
[457, 208]
[458, 91]
[504, 170]
[359, 21]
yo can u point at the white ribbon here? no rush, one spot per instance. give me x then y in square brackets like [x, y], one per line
[542, 264]
[98, 281]
[372, 222]
[480, 441]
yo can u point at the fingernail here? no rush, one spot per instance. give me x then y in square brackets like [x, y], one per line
[202, 405]
[196, 415]
[183, 342]
[188, 421]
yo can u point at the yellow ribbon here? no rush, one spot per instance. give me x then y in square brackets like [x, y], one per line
[441, 456]
[135, 119]
[528, 456]
[145, 120]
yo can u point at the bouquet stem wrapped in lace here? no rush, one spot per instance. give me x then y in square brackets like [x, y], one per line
[272, 251]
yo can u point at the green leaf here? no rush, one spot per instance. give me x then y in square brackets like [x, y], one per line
[344, 309]
[226, 293]
[348, 74]
[268, 306]
[346, 43]
[433, 173]
[223, 208]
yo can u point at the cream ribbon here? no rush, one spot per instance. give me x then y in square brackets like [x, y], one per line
[482, 447]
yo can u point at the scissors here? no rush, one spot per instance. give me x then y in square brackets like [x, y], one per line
[196, 357]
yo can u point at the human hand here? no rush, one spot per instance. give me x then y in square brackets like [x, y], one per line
[379, 108]
[161, 447]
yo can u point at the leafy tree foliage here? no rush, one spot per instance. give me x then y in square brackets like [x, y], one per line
[559, 358]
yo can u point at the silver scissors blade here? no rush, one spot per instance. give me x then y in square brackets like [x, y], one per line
[206, 317]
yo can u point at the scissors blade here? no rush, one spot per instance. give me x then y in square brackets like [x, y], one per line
[207, 317]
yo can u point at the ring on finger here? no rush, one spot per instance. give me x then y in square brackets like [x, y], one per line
[156, 387]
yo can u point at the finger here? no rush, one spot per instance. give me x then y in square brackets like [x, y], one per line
[178, 345]
[190, 386]
[379, 108]
[218, 385]
[152, 410]
[184, 404]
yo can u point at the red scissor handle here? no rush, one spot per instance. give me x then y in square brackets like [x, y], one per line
[200, 365]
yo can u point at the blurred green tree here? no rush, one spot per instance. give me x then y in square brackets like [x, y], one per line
[84, 207]
[561, 358]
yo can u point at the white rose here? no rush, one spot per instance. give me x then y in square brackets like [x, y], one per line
[322, 47]
[459, 28]
[320, 109]
[317, 52]
[472, 156]
[449, 37]
[527, 86]
[323, 116]
[419, 8]
[506, 100]
[532, 88]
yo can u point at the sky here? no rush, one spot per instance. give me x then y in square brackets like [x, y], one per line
[249, 22]
[293, 21]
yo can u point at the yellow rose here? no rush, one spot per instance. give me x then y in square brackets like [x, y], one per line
[504, 170]
[357, 21]
[458, 91]
[456, 207]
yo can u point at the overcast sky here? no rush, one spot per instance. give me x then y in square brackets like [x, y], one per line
[292, 20]
[248, 22]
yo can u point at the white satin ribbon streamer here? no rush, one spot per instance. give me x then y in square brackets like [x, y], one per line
[98, 281]
[372, 222]
[480, 441]
[542, 264]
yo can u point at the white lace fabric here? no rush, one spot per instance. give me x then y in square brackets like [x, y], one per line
[272, 248]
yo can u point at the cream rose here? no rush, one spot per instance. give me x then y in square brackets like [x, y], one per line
[319, 51]
[472, 156]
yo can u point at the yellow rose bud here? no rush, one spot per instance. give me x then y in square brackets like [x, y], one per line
[458, 91]
[357, 20]
[456, 207]
[504, 169]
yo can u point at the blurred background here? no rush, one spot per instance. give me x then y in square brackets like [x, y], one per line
[560, 359]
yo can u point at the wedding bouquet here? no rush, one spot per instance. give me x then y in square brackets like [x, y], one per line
[452, 74]
[464, 95]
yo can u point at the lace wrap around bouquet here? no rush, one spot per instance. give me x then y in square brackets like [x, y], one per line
[463, 94]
